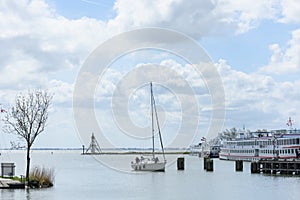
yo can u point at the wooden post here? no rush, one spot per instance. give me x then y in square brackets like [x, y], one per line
[180, 163]
[254, 168]
[205, 163]
[210, 165]
[82, 149]
[239, 165]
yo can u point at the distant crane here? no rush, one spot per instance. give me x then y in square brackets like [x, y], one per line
[94, 147]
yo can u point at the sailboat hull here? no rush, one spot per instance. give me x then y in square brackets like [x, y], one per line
[149, 166]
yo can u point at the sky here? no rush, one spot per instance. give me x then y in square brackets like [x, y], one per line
[254, 49]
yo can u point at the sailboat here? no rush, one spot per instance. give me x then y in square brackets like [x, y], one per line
[153, 163]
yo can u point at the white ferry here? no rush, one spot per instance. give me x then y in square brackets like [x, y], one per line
[277, 144]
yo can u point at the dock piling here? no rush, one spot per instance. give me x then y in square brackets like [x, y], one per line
[239, 165]
[254, 168]
[209, 165]
[205, 163]
[180, 163]
[283, 167]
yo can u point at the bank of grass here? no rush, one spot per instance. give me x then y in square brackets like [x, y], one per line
[41, 177]
[15, 178]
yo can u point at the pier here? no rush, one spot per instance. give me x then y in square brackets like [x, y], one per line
[283, 167]
[11, 184]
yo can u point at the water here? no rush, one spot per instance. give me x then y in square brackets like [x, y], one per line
[83, 177]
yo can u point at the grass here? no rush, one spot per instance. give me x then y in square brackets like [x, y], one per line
[41, 177]
[16, 178]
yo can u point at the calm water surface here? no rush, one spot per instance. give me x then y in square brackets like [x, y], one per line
[84, 177]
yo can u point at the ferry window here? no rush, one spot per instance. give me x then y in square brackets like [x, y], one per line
[297, 141]
[289, 151]
[292, 150]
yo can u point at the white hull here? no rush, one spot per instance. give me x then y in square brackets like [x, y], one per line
[149, 166]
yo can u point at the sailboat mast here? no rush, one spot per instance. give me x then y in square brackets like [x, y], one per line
[159, 133]
[153, 109]
[152, 120]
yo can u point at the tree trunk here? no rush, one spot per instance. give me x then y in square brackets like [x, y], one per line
[28, 164]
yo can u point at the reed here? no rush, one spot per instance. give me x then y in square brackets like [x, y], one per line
[41, 177]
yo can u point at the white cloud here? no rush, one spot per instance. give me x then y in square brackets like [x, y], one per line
[290, 11]
[258, 100]
[285, 60]
[248, 14]
[62, 91]
[175, 14]
[38, 40]
[195, 18]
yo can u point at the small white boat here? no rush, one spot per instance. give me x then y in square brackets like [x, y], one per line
[148, 164]
[152, 163]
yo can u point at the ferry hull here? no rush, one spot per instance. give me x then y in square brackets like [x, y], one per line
[285, 146]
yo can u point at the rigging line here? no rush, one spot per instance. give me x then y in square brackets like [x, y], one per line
[152, 121]
[157, 123]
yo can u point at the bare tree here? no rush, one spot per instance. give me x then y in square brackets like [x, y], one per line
[28, 117]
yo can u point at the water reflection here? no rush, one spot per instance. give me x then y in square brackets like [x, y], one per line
[28, 194]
